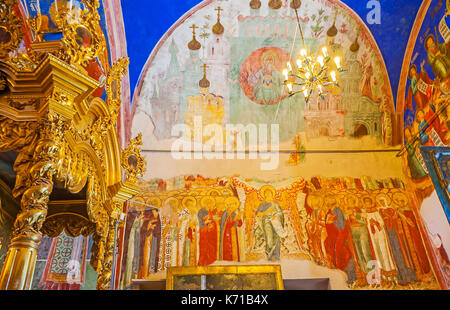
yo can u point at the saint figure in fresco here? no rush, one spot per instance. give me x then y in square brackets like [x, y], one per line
[438, 57]
[190, 243]
[169, 218]
[379, 239]
[360, 236]
[267, 83]
[313, 229]
[397, 239]
[149, 242]
[270, 223]
[231, 221]
[409, 225]
[207, 217]
[424, 132]
[420, 88]
[133, 225]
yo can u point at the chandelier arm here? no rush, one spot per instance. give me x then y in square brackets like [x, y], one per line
[299, 27]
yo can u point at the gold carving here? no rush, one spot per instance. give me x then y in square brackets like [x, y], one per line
[114, 85]
[35, 24]
[132, 160]
[73, 225]
[104, 279]
[10, 27]
[83, 40]
[60, 133]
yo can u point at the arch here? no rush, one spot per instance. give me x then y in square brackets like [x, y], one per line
[360, 130]
[348, 14]
[417, 26]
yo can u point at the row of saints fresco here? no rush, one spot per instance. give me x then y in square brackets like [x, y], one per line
[365, 228]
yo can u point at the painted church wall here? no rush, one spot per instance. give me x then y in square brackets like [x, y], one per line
[330, 200]
[424, 114]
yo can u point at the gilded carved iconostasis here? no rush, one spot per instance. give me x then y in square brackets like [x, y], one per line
[242, 172]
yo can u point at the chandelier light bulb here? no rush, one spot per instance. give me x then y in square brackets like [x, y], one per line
[303, 52]
[320, 60]
[289, 86]
[325, 52]
[289, 66]
[299, 63]
[285, 73]
[320, 89]
[308, 75]
[305, 92]
[333, 76]
[337, 60]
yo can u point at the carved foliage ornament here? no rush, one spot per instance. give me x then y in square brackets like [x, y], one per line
[132, 161]
[39, 183]
[10, 28]
[73, 225]
[83, 37]
[113, 85]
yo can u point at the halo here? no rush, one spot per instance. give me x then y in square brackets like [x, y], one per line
[319, 199]
[152, 199]
[215, 191]
[205, 199]
[426, 40]
[272, 53]
[381, 195]
[367, 197]
[265, 188]
[186, 199]
[409, 71]
[171, 199]
[398, 195]
[350, 195]
[232, 199]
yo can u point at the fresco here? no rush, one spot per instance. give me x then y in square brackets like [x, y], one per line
[425, 114]
[365, 228]
[425, 111]
[245, 50]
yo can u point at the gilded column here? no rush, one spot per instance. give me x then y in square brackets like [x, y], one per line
[105, 276]
[18, 269]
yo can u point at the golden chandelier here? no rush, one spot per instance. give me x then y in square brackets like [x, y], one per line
[310, 74]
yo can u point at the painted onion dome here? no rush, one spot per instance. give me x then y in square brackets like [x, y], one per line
[295, 4]
[332, 32]
[218, 28]
[355, 46]
[194, 45]
[255, 4]
[204, 83]
[275, 4]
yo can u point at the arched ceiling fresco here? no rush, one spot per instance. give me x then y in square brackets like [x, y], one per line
[363, 107]
[422, 110]
[397, 19]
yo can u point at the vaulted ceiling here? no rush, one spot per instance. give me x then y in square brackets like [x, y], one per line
[145, 22]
